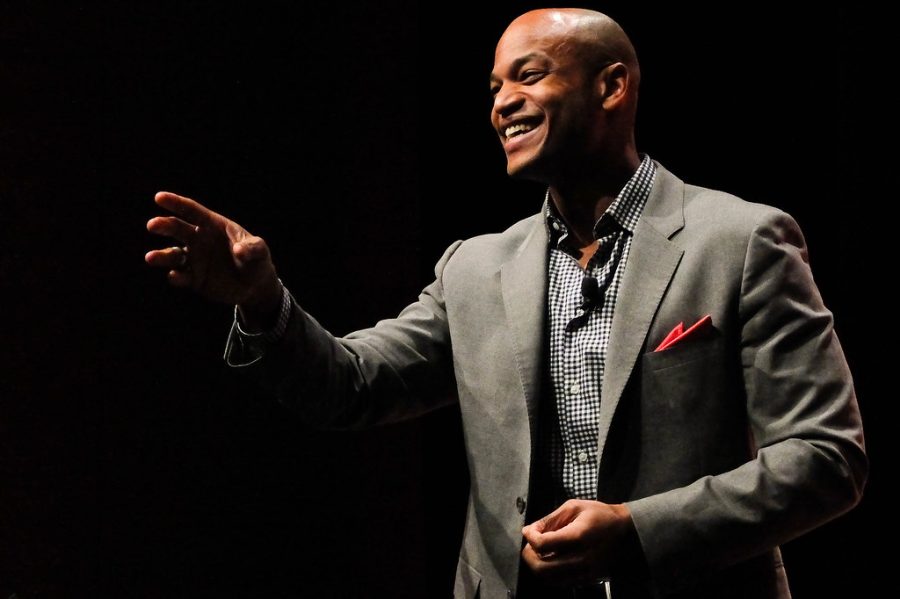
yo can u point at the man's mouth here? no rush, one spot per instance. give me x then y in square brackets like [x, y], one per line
[518, 129]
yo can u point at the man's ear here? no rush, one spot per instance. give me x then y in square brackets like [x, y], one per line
[612, 84]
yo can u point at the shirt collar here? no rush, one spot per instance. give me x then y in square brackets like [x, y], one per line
[624, 212]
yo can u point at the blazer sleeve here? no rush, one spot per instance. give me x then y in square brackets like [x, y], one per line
[810, 464]
[400, 368]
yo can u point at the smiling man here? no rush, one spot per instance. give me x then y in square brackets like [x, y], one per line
[653, 397]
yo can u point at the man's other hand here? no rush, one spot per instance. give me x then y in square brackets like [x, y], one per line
[579, 543]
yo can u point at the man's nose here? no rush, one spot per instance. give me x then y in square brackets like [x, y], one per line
[507, 101]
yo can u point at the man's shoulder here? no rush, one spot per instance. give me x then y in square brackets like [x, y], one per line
[703, 204]
[713, 217]
[706, 204]
[700, 218]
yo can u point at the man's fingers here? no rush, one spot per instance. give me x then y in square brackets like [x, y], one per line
[561, 516]
[542, 545]
[172, 226]
[565, 539]
[533, 534]
[536, 560]
[548, 543]
[554, 532]
[180, 278]
[555, 568]
[531, 557]
[172, 258]
[186, 208]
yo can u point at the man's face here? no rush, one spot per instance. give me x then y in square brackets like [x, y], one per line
[543, 106]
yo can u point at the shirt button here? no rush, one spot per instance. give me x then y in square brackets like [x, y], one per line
[520, 504]
[575, 389]
[582, 456]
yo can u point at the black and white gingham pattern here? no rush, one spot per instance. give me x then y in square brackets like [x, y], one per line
[276, 332]
[577, 357]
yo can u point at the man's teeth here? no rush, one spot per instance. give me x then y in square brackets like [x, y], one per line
[517, 130]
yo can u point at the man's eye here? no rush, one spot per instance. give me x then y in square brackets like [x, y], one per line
[495, 89]
[531, 75]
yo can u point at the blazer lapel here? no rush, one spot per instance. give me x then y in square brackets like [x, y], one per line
[523, 281]
[652, 260]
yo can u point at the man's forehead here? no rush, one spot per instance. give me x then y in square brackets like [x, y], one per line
[521, 44]
[534, 45]
[522, 38]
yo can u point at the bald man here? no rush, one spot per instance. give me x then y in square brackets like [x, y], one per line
[653, 397]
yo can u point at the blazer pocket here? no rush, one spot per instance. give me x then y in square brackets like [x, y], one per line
[689, 350]
[468, 581]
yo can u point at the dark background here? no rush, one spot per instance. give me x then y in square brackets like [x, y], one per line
[355, 138]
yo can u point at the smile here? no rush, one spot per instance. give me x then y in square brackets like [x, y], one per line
[517, 129]
[517, 133]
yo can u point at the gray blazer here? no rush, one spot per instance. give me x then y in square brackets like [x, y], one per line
[723, 446]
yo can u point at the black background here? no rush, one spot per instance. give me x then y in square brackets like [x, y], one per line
[355, 138]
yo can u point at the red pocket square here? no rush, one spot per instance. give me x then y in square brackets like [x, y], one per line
[678, 333]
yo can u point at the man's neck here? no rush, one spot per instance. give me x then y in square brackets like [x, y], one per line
[581, 203]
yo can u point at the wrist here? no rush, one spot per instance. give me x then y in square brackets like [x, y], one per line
[259, 311]
[629, 558]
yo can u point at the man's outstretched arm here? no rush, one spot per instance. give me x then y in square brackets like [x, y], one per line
[397, 369]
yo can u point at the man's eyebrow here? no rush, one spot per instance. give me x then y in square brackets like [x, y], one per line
[517, 63]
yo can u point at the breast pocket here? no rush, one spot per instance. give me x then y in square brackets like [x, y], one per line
[680, 379]
[685, 409]
[683, 353]
[680, 386]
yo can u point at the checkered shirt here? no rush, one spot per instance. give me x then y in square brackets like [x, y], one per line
[577, 356]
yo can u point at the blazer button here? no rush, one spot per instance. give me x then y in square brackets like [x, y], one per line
[520, 504]
[510, 594]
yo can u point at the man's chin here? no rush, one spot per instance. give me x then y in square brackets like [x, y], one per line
[525, 171]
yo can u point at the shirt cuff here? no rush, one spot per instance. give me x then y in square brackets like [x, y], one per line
[245, 348]
[274, 334]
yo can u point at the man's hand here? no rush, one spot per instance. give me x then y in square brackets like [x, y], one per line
[218, 258]
[579, 542]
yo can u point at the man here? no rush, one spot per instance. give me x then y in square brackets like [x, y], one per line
[645, 369]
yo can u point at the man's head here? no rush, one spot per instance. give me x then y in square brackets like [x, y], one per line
[565, 86]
